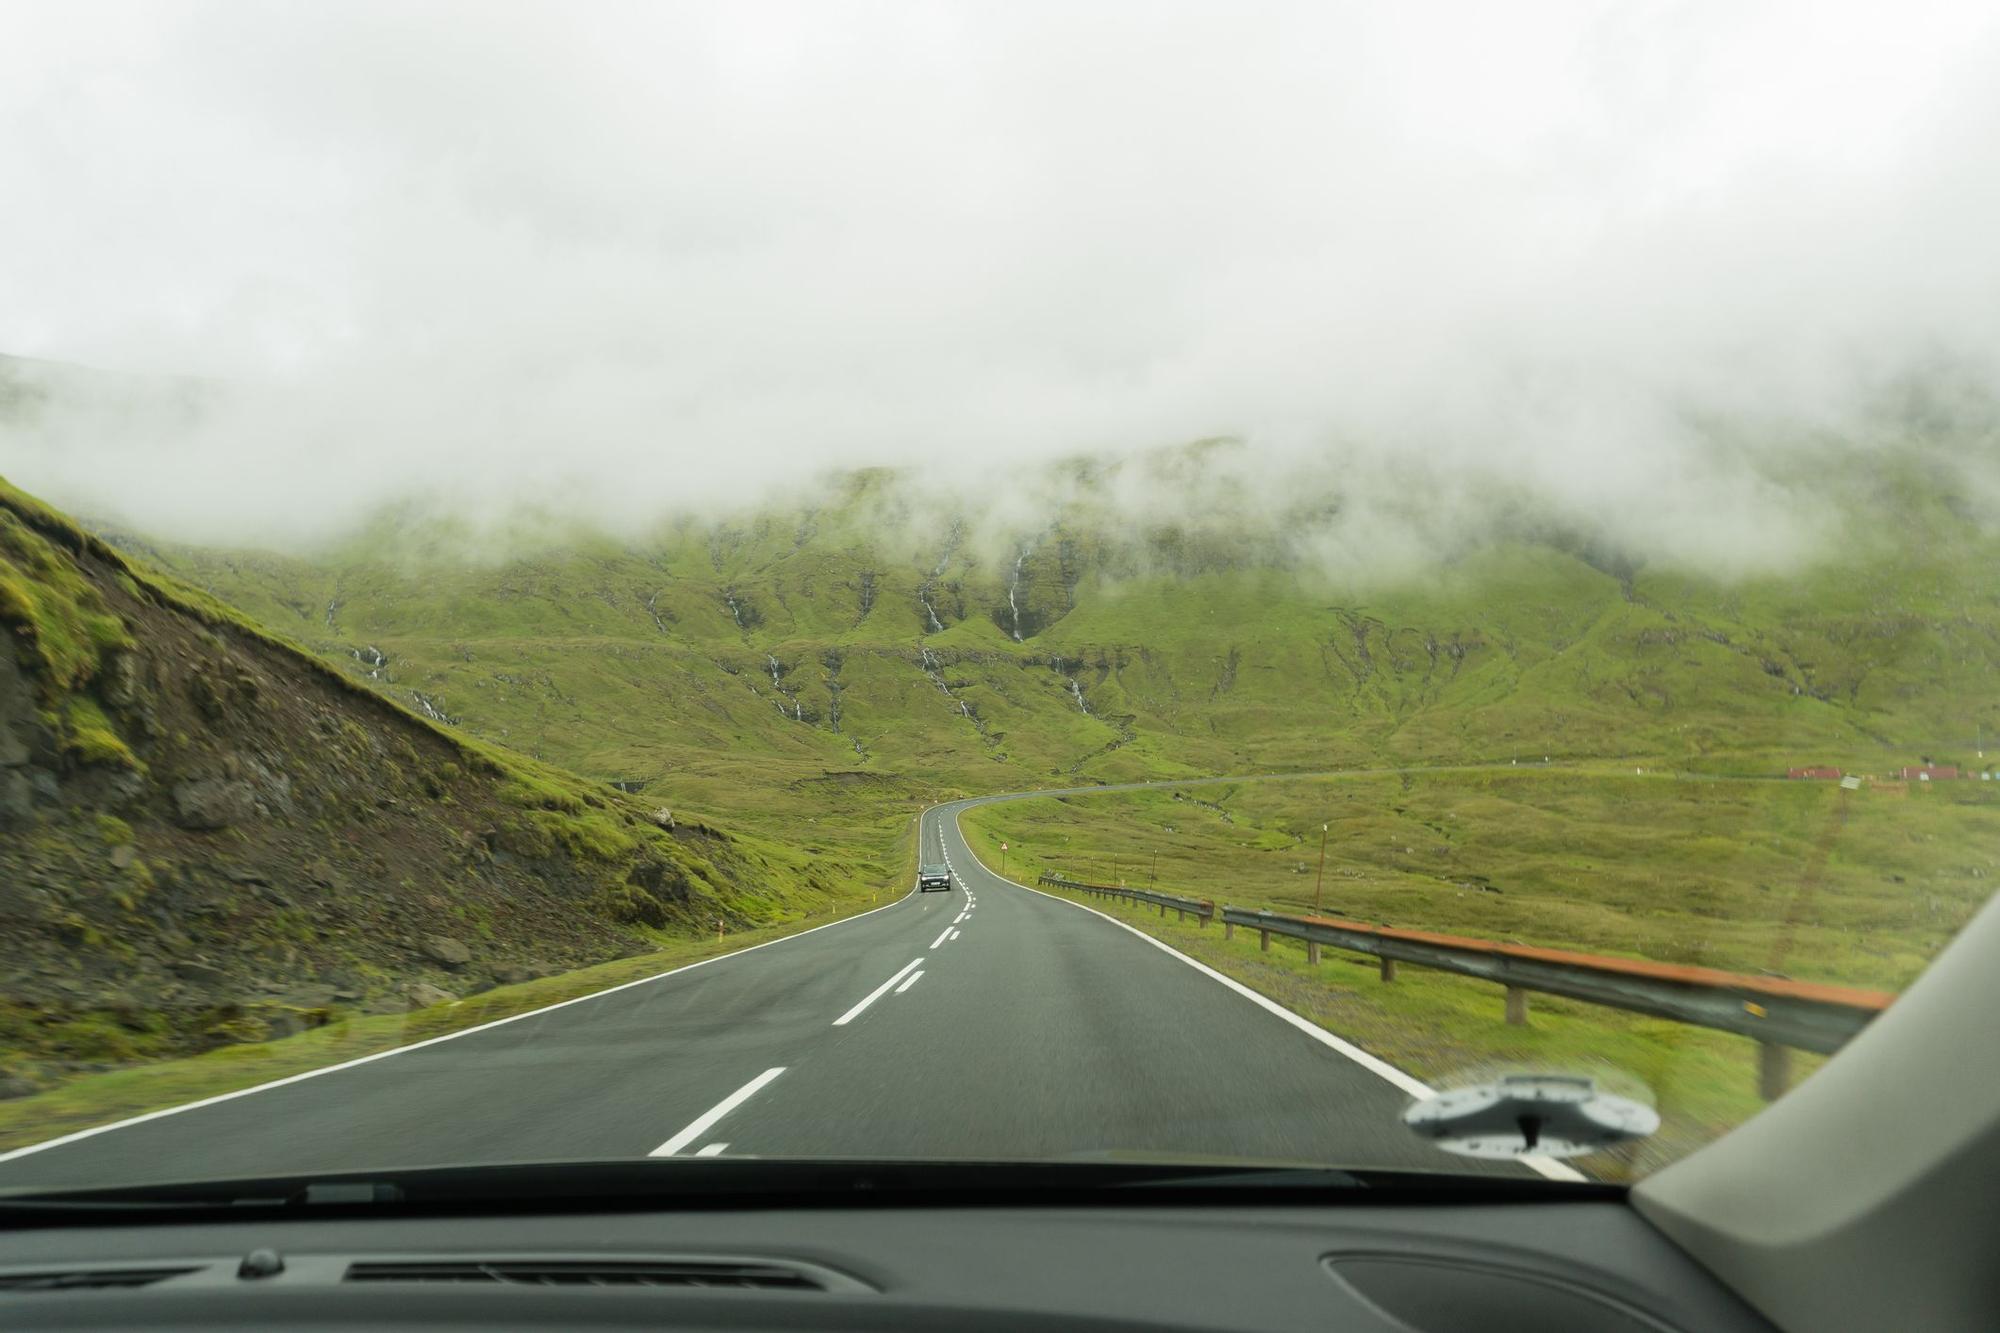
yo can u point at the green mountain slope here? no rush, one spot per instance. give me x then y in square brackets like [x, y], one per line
[209, 836]
[726, 664]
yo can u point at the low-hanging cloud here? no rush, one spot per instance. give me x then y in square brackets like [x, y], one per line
[641, 258]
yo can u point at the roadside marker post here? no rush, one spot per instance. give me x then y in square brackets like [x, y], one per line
[1319, 878]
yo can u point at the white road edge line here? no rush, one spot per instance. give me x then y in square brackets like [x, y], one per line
[706, 1121]
[915, 977]
[942, 938]
[877, 993]
[713, 1150]
[301, 1077]
[1415, 1087]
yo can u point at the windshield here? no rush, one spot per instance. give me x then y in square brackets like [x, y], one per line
[1153, 582]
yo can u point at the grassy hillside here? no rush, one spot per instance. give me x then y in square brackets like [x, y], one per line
[209, 836]
[725, 664]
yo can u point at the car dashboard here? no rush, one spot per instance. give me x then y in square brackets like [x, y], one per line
[1577, 1265]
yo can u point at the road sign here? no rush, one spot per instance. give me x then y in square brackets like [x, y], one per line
[1003, 846]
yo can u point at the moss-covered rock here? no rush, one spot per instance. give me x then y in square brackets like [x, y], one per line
[631, 905]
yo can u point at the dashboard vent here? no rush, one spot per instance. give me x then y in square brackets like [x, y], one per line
[86, 1279]
[595, 1273]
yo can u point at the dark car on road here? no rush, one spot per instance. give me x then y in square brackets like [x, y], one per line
[933, 877]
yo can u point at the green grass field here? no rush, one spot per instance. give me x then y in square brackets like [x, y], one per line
[1801, 878]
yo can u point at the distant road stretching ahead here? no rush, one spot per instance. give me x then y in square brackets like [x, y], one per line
[992, 1021]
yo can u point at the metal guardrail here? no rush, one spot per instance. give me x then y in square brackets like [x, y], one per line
[1200, 908]
[1790, 1013]
[1777, 1013]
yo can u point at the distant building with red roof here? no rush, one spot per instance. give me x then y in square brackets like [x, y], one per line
[1928, 772]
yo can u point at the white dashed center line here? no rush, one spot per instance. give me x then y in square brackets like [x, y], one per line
[722, 1108]
[915, 977]
[713, 1150]
[941, 938]
[877, 993]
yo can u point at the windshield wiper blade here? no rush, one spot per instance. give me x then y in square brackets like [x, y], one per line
[657, 1179]
[1264, 1177]
[234, 1194]
[683, 1183]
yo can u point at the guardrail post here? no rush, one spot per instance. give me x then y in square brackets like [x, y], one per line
[1228, 930]
[1517, 1006]
[1388, 969]
[1312, 952]
[1774, 1070]
[1264, 940]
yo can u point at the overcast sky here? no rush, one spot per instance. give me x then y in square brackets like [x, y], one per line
[648, 255]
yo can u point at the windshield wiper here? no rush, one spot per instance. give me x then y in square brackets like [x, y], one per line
[693, 1183]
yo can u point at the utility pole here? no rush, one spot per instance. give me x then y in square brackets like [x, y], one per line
[1319, 880]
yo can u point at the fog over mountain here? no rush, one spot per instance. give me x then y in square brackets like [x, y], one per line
[1639, 264]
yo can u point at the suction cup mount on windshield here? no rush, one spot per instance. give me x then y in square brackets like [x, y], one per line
[1551, 1115]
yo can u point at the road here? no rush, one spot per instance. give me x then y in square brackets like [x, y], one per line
[990, 1021]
